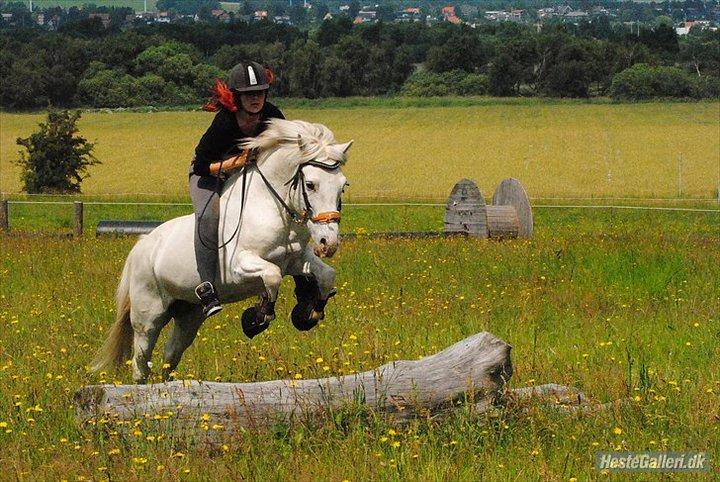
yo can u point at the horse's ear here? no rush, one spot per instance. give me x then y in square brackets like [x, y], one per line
[346, 146]
[301, 143]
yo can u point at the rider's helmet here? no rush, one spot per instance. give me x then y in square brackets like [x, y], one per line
[249, 77]
[244, 77]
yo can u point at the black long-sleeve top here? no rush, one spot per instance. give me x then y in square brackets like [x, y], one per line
[221, 139]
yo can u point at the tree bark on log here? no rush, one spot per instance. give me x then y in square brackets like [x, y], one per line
[475, 369]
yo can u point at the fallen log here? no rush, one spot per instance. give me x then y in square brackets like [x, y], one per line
[475, 369]
[558, 398]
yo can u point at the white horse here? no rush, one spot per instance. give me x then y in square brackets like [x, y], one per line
[268, 213]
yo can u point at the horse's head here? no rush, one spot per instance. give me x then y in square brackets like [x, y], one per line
[312, 162]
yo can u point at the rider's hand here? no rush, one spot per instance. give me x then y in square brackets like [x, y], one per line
[235, 162]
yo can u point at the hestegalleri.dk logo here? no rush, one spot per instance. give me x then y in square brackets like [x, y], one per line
[652, 461]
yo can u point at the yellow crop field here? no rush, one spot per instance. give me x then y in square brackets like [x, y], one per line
[418, 153]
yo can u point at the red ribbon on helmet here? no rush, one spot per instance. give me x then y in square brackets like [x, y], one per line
[222, 97]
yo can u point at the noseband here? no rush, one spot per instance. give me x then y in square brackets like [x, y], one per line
[306, 214]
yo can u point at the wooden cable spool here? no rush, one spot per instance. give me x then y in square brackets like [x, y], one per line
[508, 217]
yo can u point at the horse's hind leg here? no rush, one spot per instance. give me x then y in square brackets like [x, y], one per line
[146, 324]
[188, 319]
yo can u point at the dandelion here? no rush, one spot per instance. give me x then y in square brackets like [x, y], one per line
[617, 431]
[396, 444]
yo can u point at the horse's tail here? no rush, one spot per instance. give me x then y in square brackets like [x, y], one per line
[118, 344]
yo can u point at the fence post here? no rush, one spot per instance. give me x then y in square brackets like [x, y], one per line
[78, 219]
[4, 216]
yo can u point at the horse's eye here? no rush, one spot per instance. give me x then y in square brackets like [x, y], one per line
[310, 185]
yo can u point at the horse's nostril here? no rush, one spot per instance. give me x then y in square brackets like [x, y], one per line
[323, 241]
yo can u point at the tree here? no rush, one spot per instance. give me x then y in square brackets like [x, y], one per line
[320, 12]
[303, 78]
[569, 74]
[699, 52]
[335, 78]
[505, 74]
[463, 50]
[332, 30]
[354, 8]
[57, 159]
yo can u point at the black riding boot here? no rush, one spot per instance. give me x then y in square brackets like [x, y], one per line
[205, 292]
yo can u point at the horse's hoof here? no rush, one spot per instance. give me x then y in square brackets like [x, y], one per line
[253, 323]
[304, 317]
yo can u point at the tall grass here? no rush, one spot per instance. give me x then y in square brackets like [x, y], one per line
[618, 304]
[418, 152]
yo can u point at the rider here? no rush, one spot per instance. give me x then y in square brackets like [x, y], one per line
[242, 111]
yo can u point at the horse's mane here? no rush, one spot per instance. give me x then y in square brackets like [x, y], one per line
[318, 142]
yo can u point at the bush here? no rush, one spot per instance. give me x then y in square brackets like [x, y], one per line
[473, 84]
[56, 160]
[643, 82]
[456, 82]
[705, 87]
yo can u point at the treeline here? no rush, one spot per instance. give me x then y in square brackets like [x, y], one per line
[176, 64]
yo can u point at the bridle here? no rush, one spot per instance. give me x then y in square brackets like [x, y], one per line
[306, 214]
[301, 217]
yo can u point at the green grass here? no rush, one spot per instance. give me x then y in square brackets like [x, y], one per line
[618, 304]
[418, 151]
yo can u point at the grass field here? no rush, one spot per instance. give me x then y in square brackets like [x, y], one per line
[618, 304]
[408, 152]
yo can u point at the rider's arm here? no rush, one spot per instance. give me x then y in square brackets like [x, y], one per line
[214, 145]
[228, 164]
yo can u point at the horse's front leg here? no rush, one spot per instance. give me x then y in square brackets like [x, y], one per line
[315, 285]
[256, 319]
